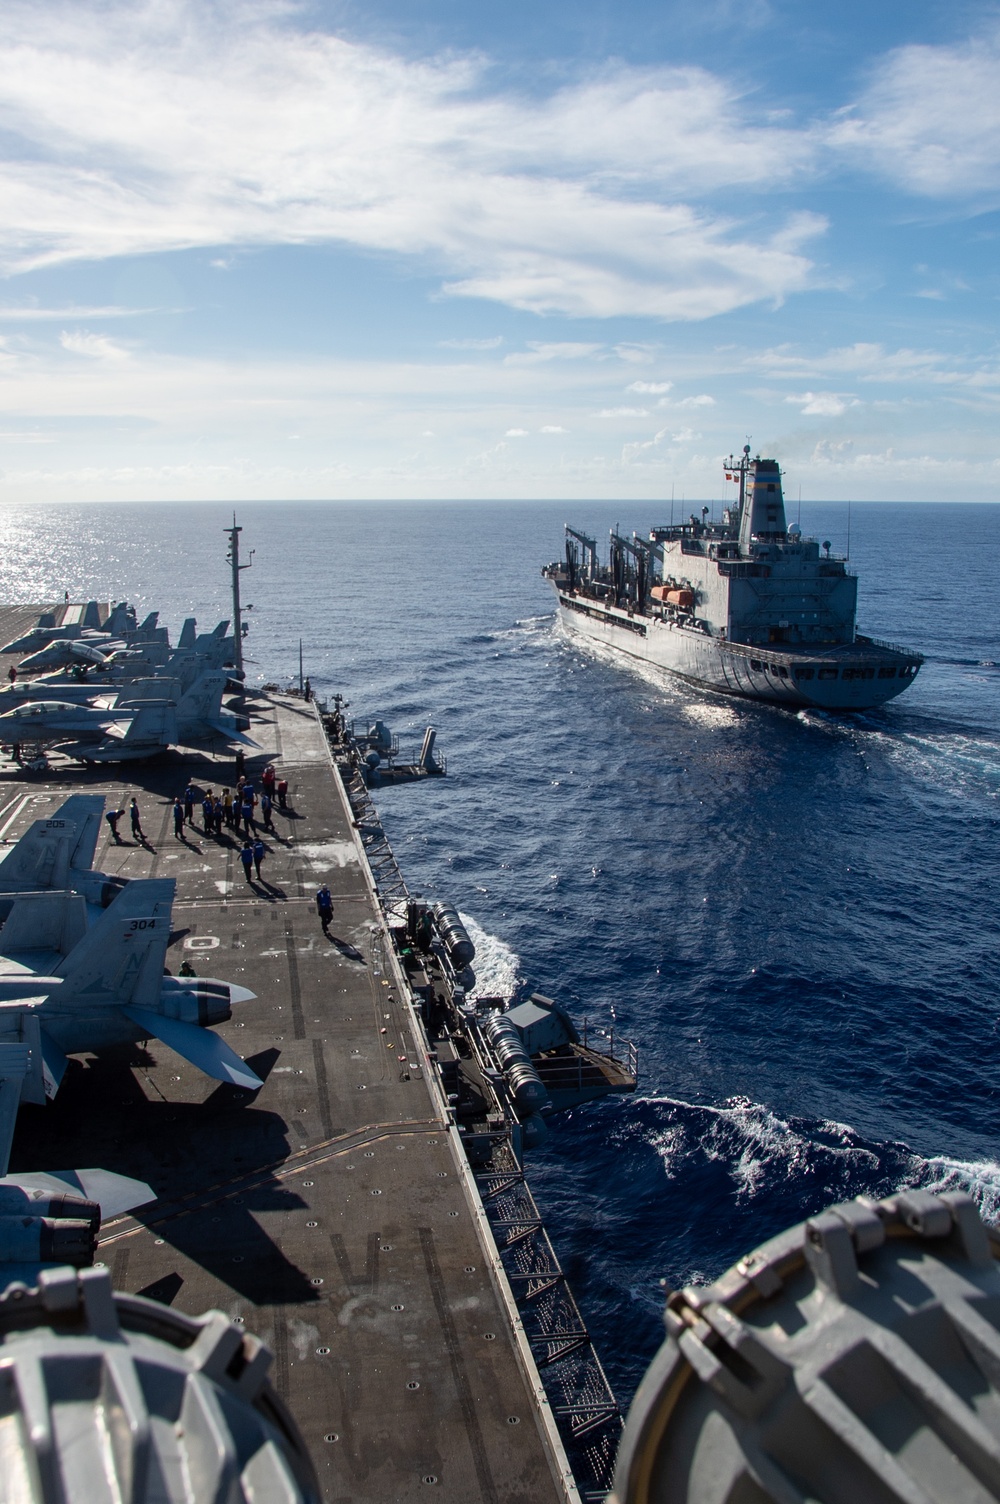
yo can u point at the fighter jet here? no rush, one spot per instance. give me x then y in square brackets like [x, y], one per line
[46, 629]
[58, 853]
[68, 651]
[188, 719]
[44, 723]
[120, 623]
[67, 988]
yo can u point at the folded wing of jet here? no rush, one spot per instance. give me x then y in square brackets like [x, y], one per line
[66, 988]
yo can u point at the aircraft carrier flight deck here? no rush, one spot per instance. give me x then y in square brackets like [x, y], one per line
[332, 1212]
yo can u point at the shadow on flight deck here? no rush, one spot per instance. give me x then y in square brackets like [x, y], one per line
[180, 1149]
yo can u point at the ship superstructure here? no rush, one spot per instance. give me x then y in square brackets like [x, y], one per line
[746, 606]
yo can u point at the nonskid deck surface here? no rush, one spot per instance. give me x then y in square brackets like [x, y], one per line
[328, 1212]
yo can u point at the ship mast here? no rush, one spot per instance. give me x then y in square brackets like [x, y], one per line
[234, 559]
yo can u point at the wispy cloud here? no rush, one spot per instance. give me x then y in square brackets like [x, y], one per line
[930, 119]
[30, 314]
[863, 361]
[94, 346]
[471, 344]
[654, 388]
[822, 404]
[170, 124]
[539, 352]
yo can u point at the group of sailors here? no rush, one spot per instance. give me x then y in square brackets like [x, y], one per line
[231, 809]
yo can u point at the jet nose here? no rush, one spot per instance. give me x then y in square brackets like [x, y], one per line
[241, 994]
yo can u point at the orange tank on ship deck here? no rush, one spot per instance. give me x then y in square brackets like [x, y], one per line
[673, 597]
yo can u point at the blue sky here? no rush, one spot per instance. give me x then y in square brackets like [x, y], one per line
[447, 249]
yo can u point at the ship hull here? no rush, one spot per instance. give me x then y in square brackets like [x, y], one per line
[857, 676]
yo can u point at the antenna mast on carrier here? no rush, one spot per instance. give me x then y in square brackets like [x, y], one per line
[234, 559]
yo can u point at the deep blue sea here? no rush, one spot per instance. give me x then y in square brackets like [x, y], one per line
[794, 916]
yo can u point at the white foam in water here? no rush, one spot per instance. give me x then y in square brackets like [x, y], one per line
[978, 1178]
[962, 764]
[754, 1143]
[496, 965]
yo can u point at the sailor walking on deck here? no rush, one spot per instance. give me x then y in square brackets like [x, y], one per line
[133, 811]
[324, 907]
[246, 857]
[266, 806]
[178, 820]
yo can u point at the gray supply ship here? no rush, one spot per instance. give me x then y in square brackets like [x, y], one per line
[746, 606]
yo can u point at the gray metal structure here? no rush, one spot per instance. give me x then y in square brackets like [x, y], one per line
[110, 1397]
[854, 1359]
[746, 606]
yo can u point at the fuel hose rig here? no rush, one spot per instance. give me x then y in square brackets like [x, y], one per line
[854, 1359]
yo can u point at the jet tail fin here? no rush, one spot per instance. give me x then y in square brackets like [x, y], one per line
[41, 858]
[121, 957]
[86, 812]
[188, 633]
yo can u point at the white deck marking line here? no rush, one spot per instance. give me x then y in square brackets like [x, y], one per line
[20, 806]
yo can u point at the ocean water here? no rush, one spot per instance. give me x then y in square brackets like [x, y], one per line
[795, 917]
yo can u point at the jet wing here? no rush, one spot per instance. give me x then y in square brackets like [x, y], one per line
[231, 734]
[114, 1194]
[208, 1051]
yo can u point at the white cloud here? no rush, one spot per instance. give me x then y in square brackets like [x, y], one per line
[169, 124]
[703, 400]
[94, 346]
[552, 428]
[632, 451]
[539, 352]
[863, 361]
[31, 314]
[623, 412]
[471, 344]
[655, 388]
[930, 119]
[516, 433]
[823, 404]
[635, 355]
